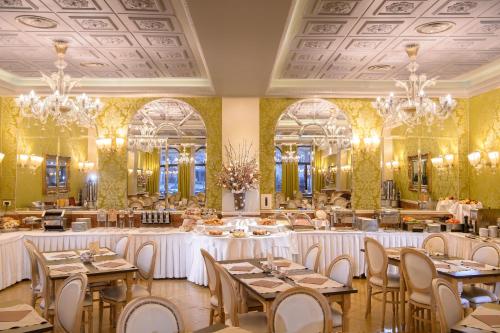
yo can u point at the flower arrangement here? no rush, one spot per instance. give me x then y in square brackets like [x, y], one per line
[240, 173]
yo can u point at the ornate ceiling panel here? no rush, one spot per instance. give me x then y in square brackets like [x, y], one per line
[108, 38]
[365, 39]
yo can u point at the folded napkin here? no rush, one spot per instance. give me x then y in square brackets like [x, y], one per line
[66, 269]
[10, 316]
[483, 318]
[20, 315]
[262, 285]
[266, 284]
[112, 265]
[469, 264]
[100, 252]
[315, 281]
[285, 265]
[242, 268]
[60, 255]
[490, 320]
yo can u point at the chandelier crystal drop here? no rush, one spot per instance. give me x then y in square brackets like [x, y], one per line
[147, 139]
[185, 157]
[415, 108]
[59, 106]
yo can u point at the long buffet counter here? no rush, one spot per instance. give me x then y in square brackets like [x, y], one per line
[179, 252]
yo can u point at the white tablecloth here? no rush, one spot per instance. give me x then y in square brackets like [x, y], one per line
[461, 246]
[336, 243]
[179, 252]
[460, 210]
[227, 248]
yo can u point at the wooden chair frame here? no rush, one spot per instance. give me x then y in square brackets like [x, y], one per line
[35, 278]
[78, 320]
[440, 236]
[384, 289]
[345, 307]
[215, 311]
[436, 283]
[417, 310]
[316, 261]
[322, 301]
[138, 302]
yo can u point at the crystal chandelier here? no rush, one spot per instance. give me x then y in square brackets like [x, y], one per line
[59, 106]
[147, 139]
[290, 156]
[416, 108]
[185, 157]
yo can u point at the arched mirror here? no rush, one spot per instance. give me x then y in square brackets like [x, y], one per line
[166, 156]
[313, 156]
[420, 166]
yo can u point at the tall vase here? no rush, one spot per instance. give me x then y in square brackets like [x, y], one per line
[239, 201]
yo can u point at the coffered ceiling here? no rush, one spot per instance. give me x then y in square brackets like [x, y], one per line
[250, 47]
[108, 39]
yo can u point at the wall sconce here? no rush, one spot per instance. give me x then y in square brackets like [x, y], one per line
[29, 161]
[109, 144]
[392, 165]
[85, 166]
[443, 162]
[2, 155]
[477, 162]
[368, 143]
[345, 168]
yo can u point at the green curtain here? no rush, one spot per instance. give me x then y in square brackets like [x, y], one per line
[151, 161]
[290, 178]
[185, 171]
[318, 177]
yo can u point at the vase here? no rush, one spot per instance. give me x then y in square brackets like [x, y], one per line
[239, 201]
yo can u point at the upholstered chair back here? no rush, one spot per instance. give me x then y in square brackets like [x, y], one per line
[341, 270]
[69, 303]
[448, 303]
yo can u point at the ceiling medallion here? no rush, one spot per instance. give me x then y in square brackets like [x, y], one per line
[37, 21]
[435, 27]
[415, 107]
[380, 68]
[59, 106]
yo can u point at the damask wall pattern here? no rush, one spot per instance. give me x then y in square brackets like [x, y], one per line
[112, 166]
[485, 136]
[364, 120]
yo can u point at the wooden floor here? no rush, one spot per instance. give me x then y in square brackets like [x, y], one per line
[193, 302]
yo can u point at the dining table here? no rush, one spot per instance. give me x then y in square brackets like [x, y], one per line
[34, 324]
[477, 321]
[455, 270]
[105, 266]
[291, 275]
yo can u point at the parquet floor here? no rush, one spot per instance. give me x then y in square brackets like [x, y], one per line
[193, 301]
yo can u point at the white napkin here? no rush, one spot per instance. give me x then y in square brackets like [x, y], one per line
[123, 264]
[263, 290]
[255, 270]
[79, 268]
[329, 283]
[63, 255]
[32, 318]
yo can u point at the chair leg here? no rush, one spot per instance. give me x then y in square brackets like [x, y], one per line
[393, 303]
[212, 312]
[384, 303]
[33, 299]
[82, 326]
[410, 317]
[368, 300]
[101, 306]
[433, 321]
[90, 313]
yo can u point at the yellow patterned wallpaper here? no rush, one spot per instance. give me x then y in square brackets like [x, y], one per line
[112, 166]
[484, 135]
[364, 120]
[447, 137]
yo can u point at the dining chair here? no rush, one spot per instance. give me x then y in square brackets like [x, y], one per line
[419, 271]
[150, 314]
[250, 321]
[69, 303]
[486, 254]
[436, 244]
[311, 258]
[380, 281]
[48, 301]
[341, 270]
[116, 296]
[121, 247]
[216, 309]
[300, 310]
[35, 280]
[449, 305]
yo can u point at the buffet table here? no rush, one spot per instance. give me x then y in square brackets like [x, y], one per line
[179, 252]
